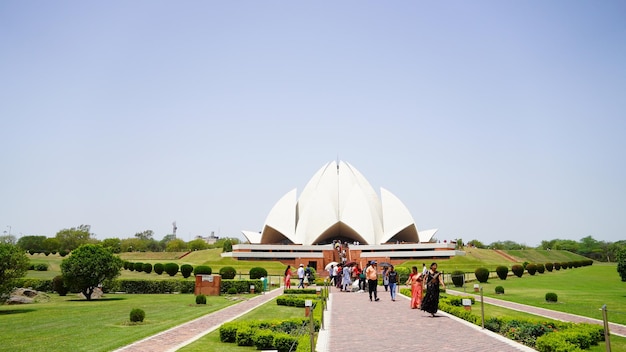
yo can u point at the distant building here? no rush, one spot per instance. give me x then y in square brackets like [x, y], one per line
[211, 239]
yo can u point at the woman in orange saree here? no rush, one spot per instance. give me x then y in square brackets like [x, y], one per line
[415, 280]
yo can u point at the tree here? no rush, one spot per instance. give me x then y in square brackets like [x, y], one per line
[197, 244]
[8, 239]
[115, 244]
[32, 243]
[621, 263]
[476, 243]
[176, 245]
[13, 264]
[73, 238]
[88, 266]
[145, 235]
[227, 246]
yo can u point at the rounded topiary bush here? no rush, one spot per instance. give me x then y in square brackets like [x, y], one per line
[257, 273]
[159, 268]
[458, 278]
[200, 299]
[551, 297]
[228, 273]
[531, 268]
[171, 269]
[232, 291]
[549, 266]
[186, 270]
[541, 268]
[125, 264]
[202, 270]
[131, 266]
[502, 272]
[138, 266]
[58, 285]
[63, 252]
[482, 274]
[564, 265]
[499, 290]
[137, 315]
[557, 266]
[147, 268]
[518, 270]
[41, 267]
[264, 340]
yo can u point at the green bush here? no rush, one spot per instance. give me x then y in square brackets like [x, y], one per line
[202, 270]
[458, 278]
[557, 266]
[549, 266]
[499, 290]
[403, 274]
[125, 264]
[283, 342]
[41, 267]
[263, 340]
[44, 285]
[138, 267]
[242, 286]
[482, 274]
[244, 336]
[200, 299]
[149, 286]
[555, 343]
[531, 268]
[63, 252]
[137, 315]
[171, 269]
[232, 291]
[228, 332]
[297, 291]
[564, 265]
[541, 268]
[228, 273]
[518, 270]
[186, 270]
[551, 297]
[502, 272]
[159, 268]
[257, 273]
[58, 285]
[146, 268]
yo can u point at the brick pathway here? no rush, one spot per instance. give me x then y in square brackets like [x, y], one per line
[356, 324]
[615, 329]
[181, 335]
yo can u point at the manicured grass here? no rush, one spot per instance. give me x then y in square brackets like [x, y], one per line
[581, 291]
[69, 324]
[211, 342]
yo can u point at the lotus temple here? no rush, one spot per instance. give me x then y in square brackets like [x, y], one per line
[338, 206]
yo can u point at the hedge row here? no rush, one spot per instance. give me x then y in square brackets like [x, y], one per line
[269, 334]
[482, 274]
[242, 286]
[294, 300]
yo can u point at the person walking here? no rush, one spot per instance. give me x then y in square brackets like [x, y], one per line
[433, 279]
[372, 280]
[345, 281]
[331, 274]
[301, 276]
[385, 278]
[288, 277]
[392, 277]
[416, 282]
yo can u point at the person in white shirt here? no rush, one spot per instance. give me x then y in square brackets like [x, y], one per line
[301, 276]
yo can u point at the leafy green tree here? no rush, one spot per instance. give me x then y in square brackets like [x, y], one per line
[114, 244]
[145, 235]
[176, 245]
[32, 243]
[227, 246]
[197, 244]
[621, 263]
[89, 266]
[476, 243]
[74, 237]
[51, 244]
[13, 264]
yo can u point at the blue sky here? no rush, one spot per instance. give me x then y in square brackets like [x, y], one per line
[490, 120]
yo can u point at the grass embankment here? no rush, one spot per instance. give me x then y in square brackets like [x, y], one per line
[68, 324]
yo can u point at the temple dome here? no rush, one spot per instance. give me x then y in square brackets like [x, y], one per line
[337, 203]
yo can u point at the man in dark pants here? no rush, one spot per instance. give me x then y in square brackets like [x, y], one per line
[372, 280]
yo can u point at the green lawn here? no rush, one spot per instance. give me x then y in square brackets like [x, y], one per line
[68, 324]
[581, 291]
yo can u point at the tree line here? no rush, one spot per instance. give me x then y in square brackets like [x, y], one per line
[66, 240]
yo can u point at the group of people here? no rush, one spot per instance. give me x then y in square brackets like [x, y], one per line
[343, 276]
[304, 276]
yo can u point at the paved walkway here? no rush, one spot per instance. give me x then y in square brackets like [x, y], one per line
[360, 325]
[615, 329]
[182, 335]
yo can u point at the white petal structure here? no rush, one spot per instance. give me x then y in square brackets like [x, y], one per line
[337, 203]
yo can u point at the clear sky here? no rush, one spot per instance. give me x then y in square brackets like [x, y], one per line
[490, 120]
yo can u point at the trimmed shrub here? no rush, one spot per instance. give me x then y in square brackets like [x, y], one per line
[283, 342]
[131, 266]
[125, 264]
[138, 266]
[499, 290]
[458, 278]
[541, 269]
[58, 285]
[41, 267]
[502, 272]
[229, 273]
[146, 268]
[186, 270]
[202, 270]
[200, 299]
[403, 274]
[44, 285]
[244, 336]
[159, 268]
[557, 266]
[518, 270]
[137, 315]
[228, 332]
[257, 273]
[564, 265]
[298, 291]
[242, 286]
[554, 342]
[263, 340]
[531, 268]
[482, 274]
[63, 252]
[232, 291]
[171, 269]
[525, 264]
[551, 297]
[549, 267]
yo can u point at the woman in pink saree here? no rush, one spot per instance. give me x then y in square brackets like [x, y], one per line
[288, 277]
[415, 280]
